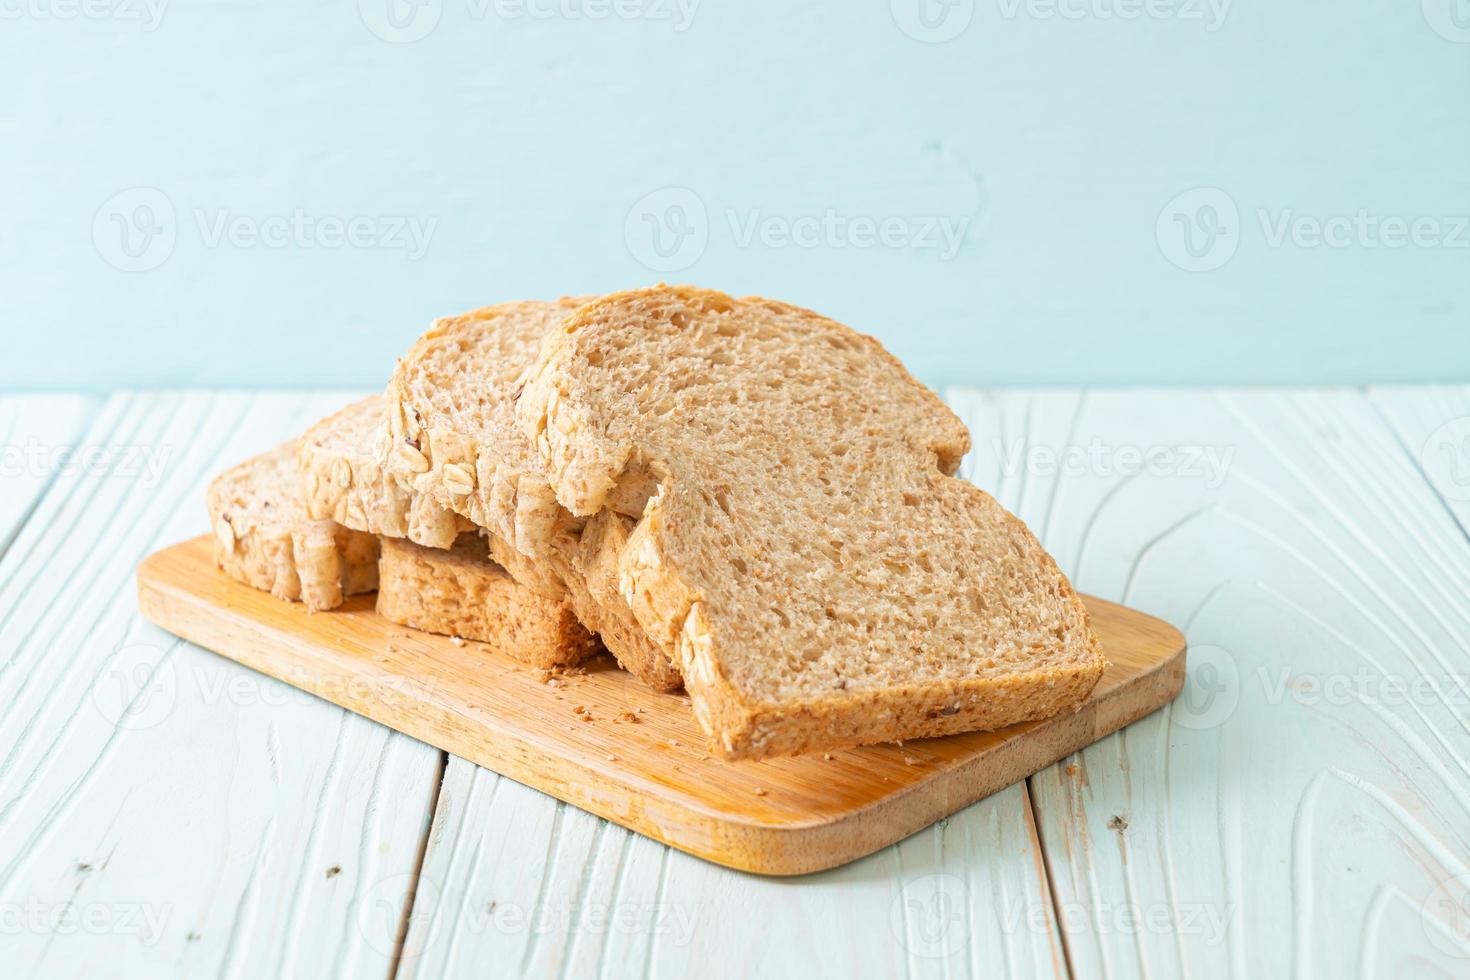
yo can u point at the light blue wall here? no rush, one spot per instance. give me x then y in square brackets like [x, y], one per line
[538, 152]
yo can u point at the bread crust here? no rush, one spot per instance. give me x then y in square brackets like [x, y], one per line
[264, 538]
[462, 592]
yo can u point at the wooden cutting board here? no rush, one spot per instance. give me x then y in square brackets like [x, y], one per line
[575, 737]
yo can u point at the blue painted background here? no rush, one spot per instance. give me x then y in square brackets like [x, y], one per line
[1005, 191]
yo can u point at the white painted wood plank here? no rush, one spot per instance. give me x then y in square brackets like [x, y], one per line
[1305, 807]
[517, 884]
[38, 439]
[1432, 423]
[163, 811]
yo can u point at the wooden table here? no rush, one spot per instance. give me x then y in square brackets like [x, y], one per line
[1304, 809]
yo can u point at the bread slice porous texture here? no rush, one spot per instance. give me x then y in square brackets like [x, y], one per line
[801, 545]
[454, 439]
[345, 478]
[264, 537]
[462, 592]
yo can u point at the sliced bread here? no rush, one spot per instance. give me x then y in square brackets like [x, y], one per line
[462, 592]
[344, 480]
[264, 537]
[804, 551]
[451, 413]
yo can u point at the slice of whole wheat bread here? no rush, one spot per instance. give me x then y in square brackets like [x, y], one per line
[454, 439]
[264, 537]
[345, 478]
[462, 592]
[803, 548]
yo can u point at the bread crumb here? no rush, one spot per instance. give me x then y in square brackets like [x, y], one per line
[759, 791]
[909, 760]
[827, 756]
[611, 757]
[457, 640]
[673, 743]
[629, 717]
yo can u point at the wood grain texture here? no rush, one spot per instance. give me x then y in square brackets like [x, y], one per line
[1304, 807]
[162, 811]
[580, 740]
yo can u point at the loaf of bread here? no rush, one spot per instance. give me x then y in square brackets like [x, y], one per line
[786, 525]
[462, 592]
[264, 537]
[451, 414]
